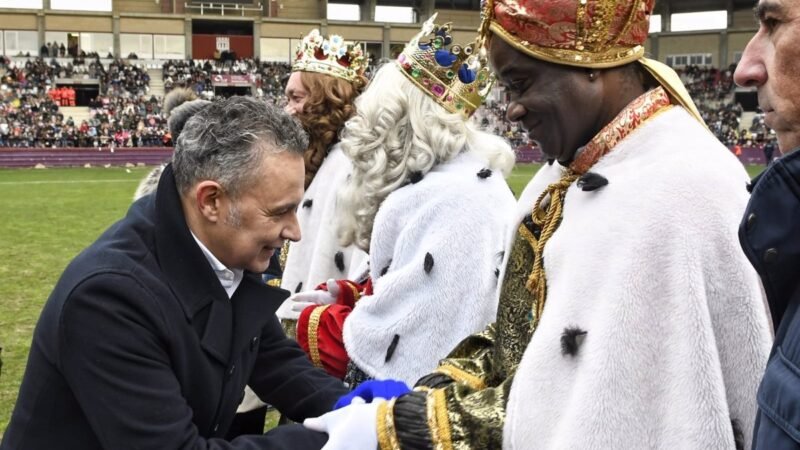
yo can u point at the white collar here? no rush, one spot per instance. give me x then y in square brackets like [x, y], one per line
[228, 278]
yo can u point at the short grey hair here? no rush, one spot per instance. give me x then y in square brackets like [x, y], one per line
[223, 141]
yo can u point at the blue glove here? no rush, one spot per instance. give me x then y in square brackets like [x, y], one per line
[372, 389]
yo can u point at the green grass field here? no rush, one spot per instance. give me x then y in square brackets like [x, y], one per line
[48, 217]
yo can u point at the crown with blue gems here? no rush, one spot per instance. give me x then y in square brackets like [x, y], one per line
[330, 56]
[456, 76]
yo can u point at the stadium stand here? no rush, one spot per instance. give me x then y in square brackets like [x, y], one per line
[67, 95]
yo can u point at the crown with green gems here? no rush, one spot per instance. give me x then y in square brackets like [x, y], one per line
[457, 77]
[330, 56]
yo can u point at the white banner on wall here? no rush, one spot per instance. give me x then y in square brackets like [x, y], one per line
[223, 43]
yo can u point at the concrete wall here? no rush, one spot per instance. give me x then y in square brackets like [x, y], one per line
[686, 43]
[56, 22]
[460, 19]
[299, 9]
[18, 21]
[137, 6]
[152, 25]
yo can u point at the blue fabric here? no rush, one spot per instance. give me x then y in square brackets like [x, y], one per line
[372, 389]
[771, 226]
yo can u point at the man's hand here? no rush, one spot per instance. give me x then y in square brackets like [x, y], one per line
[302, 300]
[352, 427]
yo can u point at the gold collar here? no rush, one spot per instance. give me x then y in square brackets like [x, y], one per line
[639, 111]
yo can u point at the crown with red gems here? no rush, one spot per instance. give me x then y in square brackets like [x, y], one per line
[330, 56]
[456, 76]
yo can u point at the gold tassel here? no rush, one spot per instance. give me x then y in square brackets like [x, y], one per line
[547, 217]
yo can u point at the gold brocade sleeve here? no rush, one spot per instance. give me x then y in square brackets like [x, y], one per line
[461, 405]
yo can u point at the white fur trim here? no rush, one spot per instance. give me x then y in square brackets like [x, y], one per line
[312, 259]
[460, 220]
[650, 267]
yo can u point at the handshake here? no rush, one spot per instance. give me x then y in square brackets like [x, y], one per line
[353, 422]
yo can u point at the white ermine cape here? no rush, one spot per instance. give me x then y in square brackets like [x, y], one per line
[318, 256]
[650, 268]
[435, 253]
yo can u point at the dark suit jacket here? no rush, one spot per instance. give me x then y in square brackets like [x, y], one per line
[140, 347]
[770, 237]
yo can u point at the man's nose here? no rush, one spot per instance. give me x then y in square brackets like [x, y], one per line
[751, 70]
[515, 112]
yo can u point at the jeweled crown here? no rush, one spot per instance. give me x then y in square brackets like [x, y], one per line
[456, 76]
[330, 56]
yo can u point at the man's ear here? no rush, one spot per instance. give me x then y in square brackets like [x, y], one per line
[208, 195]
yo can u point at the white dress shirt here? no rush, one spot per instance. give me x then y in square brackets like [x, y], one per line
[228, 278]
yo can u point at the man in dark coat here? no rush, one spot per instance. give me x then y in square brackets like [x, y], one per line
[770, 231]
[152, 332]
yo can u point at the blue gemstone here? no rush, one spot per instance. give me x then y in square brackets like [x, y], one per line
[465, 74]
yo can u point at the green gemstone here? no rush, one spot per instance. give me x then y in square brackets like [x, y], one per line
[438, 42]
[415, 73]
[450, 74]
[459, 105]
[481, 76]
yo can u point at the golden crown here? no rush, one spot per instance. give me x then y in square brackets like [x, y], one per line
[457, 77]
[332, 56]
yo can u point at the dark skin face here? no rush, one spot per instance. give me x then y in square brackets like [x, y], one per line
[561, 107]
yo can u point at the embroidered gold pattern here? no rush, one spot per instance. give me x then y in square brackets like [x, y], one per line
[387, 436]
[444, 441]
[461, 376]
[313, 337]
[637, 112]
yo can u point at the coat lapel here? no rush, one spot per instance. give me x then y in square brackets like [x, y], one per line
[188, 273]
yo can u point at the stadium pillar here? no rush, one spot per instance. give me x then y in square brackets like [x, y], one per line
[426, 10]
[367, 8]
[257, 38]
[323, 11]
[386, 48]
[723, 50]
[40, 27]
[187, 32]
[666, 16]
[115, 33]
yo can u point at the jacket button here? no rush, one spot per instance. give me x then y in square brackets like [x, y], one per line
[231, 370]
[771, 255]
[216, 427]
[751, 221]
[254, 344]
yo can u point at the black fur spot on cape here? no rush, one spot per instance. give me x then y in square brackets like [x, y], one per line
[738, 435]
[428, 262]
[339, 260]
[484, 173]
[591, 181]
[392, 347]
[299, 287]
[386, 269]
[497, 273]
[571, 340]
[415, 177]
[308, 203]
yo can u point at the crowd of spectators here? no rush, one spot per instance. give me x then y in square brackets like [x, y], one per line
[123, 115]
[266, 77]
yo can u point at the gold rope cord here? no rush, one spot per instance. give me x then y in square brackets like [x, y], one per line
[547, 217]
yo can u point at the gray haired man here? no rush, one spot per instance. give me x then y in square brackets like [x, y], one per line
[152, 332]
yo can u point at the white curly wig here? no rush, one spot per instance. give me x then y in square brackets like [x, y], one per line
[400, 131]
